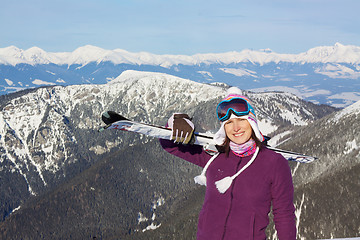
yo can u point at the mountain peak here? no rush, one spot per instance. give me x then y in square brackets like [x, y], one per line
[37, 55]
[339, 45]
[336, 53]
[353, 109]
[169, 80]
[9, 49]
[88, 48]
[35, 50]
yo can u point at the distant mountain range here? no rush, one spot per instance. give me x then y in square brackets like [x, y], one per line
[326, 75]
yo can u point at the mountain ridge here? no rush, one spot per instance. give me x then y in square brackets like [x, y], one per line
[323, 75]
[337, 53]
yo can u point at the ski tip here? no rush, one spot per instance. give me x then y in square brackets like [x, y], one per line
[302, 159]
[110, 117]
[101, 129]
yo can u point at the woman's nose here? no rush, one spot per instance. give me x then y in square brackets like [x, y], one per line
[237, 126]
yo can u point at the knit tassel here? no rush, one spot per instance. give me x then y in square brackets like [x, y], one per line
[224, 184]
[201, 179]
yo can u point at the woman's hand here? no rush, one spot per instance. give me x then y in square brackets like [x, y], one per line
[182, 128]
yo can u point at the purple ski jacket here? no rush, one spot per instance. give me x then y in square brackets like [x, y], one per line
[242, 211]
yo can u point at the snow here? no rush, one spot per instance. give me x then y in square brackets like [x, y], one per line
[352, 109]
[336, 53]
[156, 81]
[347, 97]
[9, 82]
[21, 117]
[310, 93]
[338, 71]
[266, 127]
[299, 210]
[206, 73]
[293, 118]
[51, 73]
[83, 55]
[300, 91]
[152, 226]
[41, 82]
[239, 72]
[141, 218]
[98, 150]
[275, 140]
[15, 209]
[159, 202]
[351, 146]
[59, 80]
[278, 89]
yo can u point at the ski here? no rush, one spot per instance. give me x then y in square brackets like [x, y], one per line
[114, 120]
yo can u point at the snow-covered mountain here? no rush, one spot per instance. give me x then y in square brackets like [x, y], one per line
[327, 190]
[123, 184]
[334, 139]
[45, 133]
[38, 129]
[327, 74]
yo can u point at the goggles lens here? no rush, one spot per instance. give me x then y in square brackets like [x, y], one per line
[238, 106]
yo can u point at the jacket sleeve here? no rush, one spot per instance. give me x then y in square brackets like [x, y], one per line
[191, 153]
[282, 192]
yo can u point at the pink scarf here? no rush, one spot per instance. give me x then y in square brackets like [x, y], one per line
[243, 150]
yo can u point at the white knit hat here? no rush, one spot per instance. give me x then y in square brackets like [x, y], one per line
[220, 135]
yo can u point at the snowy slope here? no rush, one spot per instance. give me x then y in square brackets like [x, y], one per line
[334, 139]
[326, 191]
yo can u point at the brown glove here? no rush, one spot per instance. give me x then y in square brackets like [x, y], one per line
[182, 128]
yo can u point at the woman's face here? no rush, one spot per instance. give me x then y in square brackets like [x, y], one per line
[238, 130]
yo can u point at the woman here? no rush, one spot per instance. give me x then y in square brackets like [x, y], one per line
[243, 181]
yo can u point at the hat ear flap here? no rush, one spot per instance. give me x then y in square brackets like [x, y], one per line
[255, 127]
[220, 135]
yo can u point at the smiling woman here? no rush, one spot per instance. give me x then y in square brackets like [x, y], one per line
[243, 181]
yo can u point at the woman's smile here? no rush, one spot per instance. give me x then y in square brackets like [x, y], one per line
[239, 134]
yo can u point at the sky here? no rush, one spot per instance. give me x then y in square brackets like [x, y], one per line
[183, 27]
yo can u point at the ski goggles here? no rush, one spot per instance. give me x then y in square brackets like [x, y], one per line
[237, 106]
